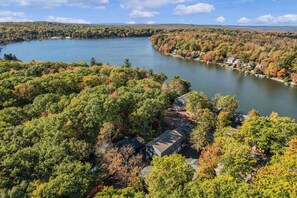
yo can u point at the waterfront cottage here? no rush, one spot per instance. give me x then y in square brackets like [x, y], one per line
[230, 60]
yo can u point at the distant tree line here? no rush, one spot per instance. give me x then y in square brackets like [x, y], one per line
[22, 31]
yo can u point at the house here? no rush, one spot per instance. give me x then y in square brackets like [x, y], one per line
[137, 143]
[179, 103]
[249, 65]
[186, 128]
[239, 118]
[232, 61]
[169, 142]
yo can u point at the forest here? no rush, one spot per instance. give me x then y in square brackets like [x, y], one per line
[26, 31]
[13, 32]
[59, 123]
[272, 54]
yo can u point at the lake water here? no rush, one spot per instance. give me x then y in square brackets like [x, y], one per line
[251, 92]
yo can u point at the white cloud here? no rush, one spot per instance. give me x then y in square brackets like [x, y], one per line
[151, 22]
[243, 20]
[220, 19]
[196, 8]
[14, 19]
[142, 14]
[100, 7]
[54, 3]
[9, 16]
[66, 20]
[266, 19]
[148, 4]
[12, 14]
[131, 22]
[288, 18]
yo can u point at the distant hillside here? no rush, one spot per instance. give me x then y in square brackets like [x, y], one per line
[269, 28]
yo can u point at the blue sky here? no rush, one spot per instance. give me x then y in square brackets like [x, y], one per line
[206, 12]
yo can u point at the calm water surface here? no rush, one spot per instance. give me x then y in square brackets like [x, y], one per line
[251, 92]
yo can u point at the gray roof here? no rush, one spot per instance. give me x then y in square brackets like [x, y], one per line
[180, 102]
[145, 171]
[194, 164]
[167, 140]
[137, 143]
[187, 128]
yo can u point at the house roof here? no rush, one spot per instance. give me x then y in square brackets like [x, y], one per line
[136, 143]
[187, 128]
[180, 102]
[167, 140]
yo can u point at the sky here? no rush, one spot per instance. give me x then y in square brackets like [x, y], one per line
[202, 12]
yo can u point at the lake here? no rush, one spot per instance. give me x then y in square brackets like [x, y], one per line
[251, 92]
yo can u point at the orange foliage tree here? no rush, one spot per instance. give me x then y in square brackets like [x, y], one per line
[208, 161]
[123, 165]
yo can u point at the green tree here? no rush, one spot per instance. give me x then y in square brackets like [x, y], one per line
[196, 101]
[279, 178]
[93, 61]
[179, 85]
[227, 104]
[224, 119]
[168, 175]
[206, 117]
[200, 136]
[237, 160]
[127, 63]
[110, 192]
[10, 57]
[269, 134]
[70, 179]
[221, 187]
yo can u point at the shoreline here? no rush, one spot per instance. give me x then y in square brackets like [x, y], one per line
[71, 38]
[225, 65]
